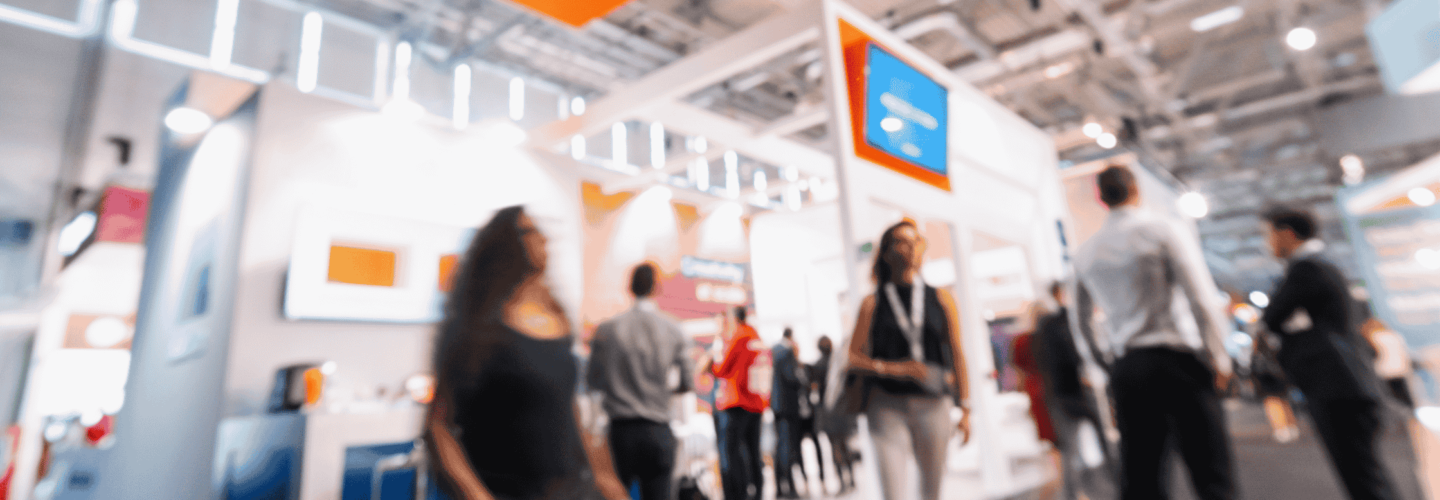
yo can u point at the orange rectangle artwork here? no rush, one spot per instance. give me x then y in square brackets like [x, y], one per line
[448, 263]
[361, 266]
[572, 12]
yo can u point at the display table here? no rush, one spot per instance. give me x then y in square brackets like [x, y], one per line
[258, 455]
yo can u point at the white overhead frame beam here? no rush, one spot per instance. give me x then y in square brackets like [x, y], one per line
[744, 50]
[743, 139]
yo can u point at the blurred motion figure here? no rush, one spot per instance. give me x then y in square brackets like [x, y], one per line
[741, 466]
[907, 341]
[1133, 268]
[638, 360]
[786, 404]
[1324, 355]
[503, 423]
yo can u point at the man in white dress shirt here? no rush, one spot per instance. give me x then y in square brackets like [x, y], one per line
[1143, 271]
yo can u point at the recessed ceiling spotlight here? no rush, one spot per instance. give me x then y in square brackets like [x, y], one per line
[1301, 38]
[1107, 140]
[1092, 130]
[1422, 196]
[188, 121]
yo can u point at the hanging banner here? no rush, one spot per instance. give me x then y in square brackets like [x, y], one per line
[573, 12]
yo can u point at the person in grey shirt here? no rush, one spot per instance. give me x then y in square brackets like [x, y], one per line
[638, 361]
[1144, 272]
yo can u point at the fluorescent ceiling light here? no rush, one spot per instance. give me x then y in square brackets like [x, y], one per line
[517, 98]
[619, 153]
[700, 145]
[701, 170]
[577, 147]
[1301, 38]
[188, 121]
[732, 174]
[1217, 19]
[460, 112]
[222, 40]
[577, 106]
[308, 74]
[760, 181]
[402, 71]
[657, 145]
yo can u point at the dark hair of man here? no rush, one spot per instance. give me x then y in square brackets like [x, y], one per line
[788, 333]
[1115, 183]
[1298, 222]
[825, 345]
[882, 272]
[642, 280]
[740, 314]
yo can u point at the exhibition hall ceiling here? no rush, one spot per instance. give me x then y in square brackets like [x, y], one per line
[1223, 96]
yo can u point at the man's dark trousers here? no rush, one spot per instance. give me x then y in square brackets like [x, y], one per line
[644, 452]
[1349, 428]
[1164, 395]
[743, 468]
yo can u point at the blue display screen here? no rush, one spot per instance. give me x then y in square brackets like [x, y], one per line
[905, 111]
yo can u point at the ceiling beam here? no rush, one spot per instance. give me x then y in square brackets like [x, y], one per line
[746, 49]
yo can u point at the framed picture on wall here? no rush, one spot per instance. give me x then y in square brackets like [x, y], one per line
[349, 266]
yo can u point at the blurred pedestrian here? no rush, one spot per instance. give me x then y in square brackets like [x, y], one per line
[741, 466]
[1393, 363]
[1324, 355]
[1068, 397]
[785, 404]
[907, 341]
[837, 426]
[638, 361]
[1165, 388]
[503, 423]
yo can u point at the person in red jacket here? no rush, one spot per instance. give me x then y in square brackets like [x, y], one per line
[740, 407]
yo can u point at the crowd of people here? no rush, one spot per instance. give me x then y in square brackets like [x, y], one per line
[505, 422]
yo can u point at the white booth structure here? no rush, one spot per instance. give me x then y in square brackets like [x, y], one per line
[316, 172]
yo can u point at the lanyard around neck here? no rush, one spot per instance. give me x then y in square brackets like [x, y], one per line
[912, 326]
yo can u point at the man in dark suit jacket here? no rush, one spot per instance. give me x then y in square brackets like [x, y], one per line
[1323, 354]
[785, 393]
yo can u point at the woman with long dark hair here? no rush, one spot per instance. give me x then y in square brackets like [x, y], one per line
[907, 340]
[503, 424]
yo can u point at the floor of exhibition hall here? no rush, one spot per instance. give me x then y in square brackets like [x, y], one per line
[1268, 470]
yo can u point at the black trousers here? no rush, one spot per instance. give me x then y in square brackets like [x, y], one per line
[644, 452]
[1350, 431]
[742, 468]
[787, 454]
[808, 429]
[1163, 395]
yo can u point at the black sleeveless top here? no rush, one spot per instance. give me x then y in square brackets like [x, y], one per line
[888, 342]
[517, 422]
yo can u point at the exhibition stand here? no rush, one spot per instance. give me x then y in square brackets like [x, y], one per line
[301, 230]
